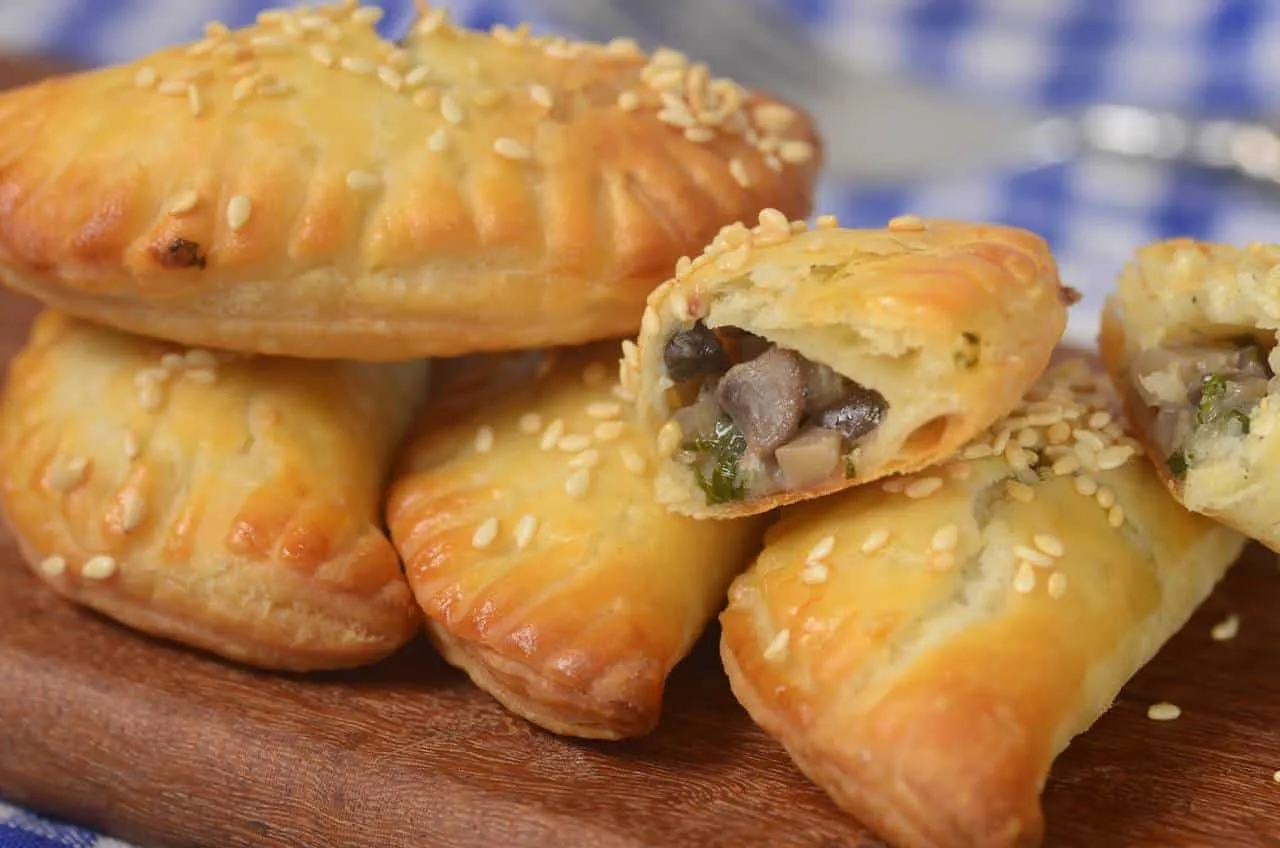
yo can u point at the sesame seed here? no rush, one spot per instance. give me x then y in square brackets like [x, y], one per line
[773, 163]
[875, 540]
[604, 409]
[1032, 556]
[1106, 497]
[578, 483]
[130, 445]
[669, 438]
[311, 23]
[1049, 544]
[417, 76]
[530, 423]
[1086, 485]
[821, 549]
[270, 43]
[738, 170]
[1099, 419]
[815, 573]
[552, 434]
[144, 77]
[243, 88]
[357, 65]
[795, 152]
[541, 95]
[267, 17]
[1019, 491]
[53, 566]
[485, 534]
[1114, 456]
[173, 87]
[977, 450]
[1276, 777]
[1024, 581]
[484, 439]
[322, 55]
[1226, 629]
[98, 568]
[238, 211]
[906, 224]
[1057, 585]
[1069, 464]
[772, 219]
[390, 77]
[184, 201]
[945, 538]
[922, 487]
[363, 180]
[149, 396]
[777, 648]
[367, 15]
[525, 528]
[63, 476]
[173, 361]
[450, 108]
[1163, 711]
[574, 443]
[893, 485]
[438, 140]
[631, 460]
[1115, 517]
[206, 376]
[509, 148]
[199, 358]
[589, 458]
[699, 135]
[132, 510]
[628, 101]
[959, 470]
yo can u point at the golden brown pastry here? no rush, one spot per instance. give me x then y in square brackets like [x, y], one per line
[1190, 337]
[530, 536]
[787, 363]
[229, 503]
[924, 648]
[305, 187]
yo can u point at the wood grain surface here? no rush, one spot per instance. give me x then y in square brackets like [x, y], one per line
[166, 747]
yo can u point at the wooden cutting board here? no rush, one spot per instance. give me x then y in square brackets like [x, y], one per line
[165, 747]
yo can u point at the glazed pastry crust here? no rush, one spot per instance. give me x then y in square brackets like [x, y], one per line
[1181, 292]
[928, 687]
[950, 322]
[237, 498]
[578, 629]
[516, 192]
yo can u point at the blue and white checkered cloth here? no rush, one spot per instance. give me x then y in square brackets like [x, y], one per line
[1197, 57]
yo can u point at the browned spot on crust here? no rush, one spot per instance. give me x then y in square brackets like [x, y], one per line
[1070, 296]
[180, 253]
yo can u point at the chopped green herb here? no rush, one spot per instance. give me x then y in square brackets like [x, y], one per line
[1213, 388]
[823, 272]
[1177, 463]
[722, 450]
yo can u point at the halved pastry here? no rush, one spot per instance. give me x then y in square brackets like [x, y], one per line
[1190, 338]
[228, 503]
[305, 187]
[786, 363]
[525, 516]
[924, 648]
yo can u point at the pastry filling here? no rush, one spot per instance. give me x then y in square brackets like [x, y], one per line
[757, 418]
[1204, 397]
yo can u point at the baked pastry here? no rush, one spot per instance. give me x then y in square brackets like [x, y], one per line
[787, 363]
[1189, 337]
[228, 503]
[307, 188]
[924, 648]
[525, 517]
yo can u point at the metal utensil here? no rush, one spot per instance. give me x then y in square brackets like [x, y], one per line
[890, 130]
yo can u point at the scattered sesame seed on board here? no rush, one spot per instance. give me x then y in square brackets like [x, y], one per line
[485, 534]
[1226, 629]
[1163, 711]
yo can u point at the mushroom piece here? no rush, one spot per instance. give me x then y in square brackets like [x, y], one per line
[692, 352]
[860, 412]
[765, 398]
[810, 457]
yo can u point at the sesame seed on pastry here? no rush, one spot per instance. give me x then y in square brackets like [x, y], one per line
[925, 647]
[785, 362]
[304, 187]
[524, 513]
[1190, 337]
[226, 502]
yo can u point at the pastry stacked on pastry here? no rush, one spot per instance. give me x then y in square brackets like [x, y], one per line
[249, 248]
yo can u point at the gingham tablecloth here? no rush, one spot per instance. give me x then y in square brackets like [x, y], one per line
[1199, 57]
